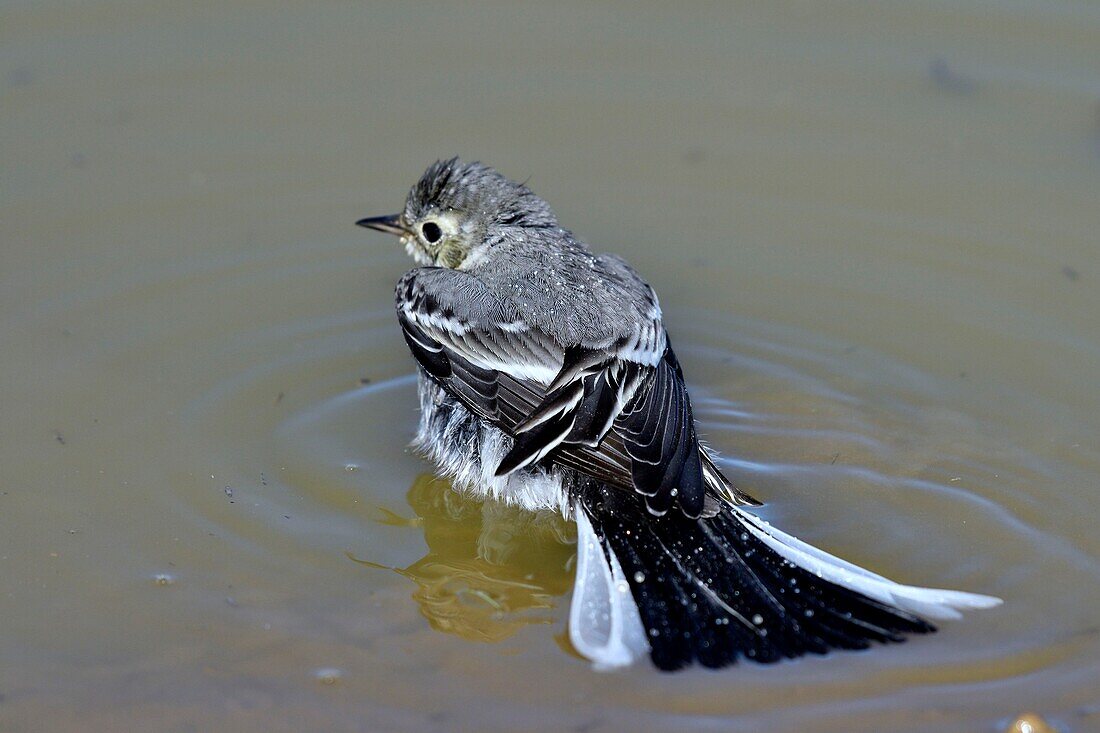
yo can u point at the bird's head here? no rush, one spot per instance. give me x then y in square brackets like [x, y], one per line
[458, 211]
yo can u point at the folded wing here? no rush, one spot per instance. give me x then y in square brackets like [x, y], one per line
[616, 411]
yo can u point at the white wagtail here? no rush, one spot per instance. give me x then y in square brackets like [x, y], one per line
[547, 381]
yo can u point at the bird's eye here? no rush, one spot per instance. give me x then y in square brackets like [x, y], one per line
[431, 232]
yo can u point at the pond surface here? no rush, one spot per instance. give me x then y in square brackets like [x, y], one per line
[874, 232]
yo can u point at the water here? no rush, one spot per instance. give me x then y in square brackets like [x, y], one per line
[874, 234]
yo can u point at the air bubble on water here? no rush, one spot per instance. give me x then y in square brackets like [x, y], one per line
[327, 675]
[639, 577]
[164, 579]
[673, 492]
[809, 613]
[757, 619]
[351, 467]
[622, 587]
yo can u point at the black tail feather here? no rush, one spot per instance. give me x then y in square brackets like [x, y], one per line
[709, 591]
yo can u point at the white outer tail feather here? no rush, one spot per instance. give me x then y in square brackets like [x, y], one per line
[935, 603]
[604, 625]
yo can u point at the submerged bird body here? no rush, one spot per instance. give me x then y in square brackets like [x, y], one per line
[547, 381]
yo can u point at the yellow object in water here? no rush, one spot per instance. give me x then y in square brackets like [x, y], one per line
[1030, 723]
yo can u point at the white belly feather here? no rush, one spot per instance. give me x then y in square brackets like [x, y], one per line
[468, 450]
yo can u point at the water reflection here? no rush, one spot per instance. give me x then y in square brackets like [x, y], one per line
[490, 569]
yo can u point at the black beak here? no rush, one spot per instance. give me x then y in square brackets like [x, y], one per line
[388, 224]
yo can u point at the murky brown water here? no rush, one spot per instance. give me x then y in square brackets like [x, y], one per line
[874, 230]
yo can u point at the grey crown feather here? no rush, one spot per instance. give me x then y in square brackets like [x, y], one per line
[480, 192]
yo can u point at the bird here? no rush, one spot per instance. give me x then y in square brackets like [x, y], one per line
[547, 381]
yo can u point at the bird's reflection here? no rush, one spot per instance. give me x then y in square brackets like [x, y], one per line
[490, 568]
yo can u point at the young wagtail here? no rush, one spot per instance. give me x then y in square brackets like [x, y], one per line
[547, 381]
